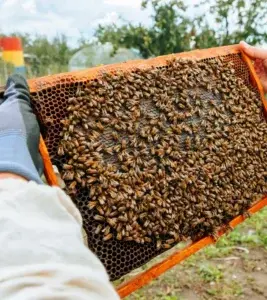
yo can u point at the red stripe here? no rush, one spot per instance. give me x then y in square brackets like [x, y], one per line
[11, 44]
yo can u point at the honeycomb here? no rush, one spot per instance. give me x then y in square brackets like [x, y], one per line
[51, 104]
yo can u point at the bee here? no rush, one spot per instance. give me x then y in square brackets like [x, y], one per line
[99, 126]
[147, 239]
[60, 150]
[115, 135]
[175, 235]
[170, 241]
[76, 143]
[166, 246]
[123, 144]
[228, 228]
[159, 244]
[117, 127]
[188, 143]
[123, 218]
[107, 237]
[99, 218]
[71, 128]
[66, 136]
[92, 204]
[113, 214]
[82, 159]
[73, 185]
[105, 120]
[112, 221]
[215, 236]
[67, 167]
[119, 236]
[85, 126]
[68, 175]
[247, 214]
[117, 148]
[98, 229]
[81, 148]
[106, 230]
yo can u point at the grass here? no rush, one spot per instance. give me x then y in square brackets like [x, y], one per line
[225, 271]
[210, 273]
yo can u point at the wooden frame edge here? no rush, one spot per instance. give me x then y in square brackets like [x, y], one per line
[44, 82]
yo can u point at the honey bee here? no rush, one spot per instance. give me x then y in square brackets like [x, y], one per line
[159, 244]
[147, 239]
[123, 218]
[106, 230]
[119, 236]
[68, 175]
[60, 150]
[98, 229]
[73, 185]
[99, 218]
[67, 167]
[188, 143]
[112, 221]
[107, 237]
[166, 246]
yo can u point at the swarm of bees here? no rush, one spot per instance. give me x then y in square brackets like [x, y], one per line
[166, 154]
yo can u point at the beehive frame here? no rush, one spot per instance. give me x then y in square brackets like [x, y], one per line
[45, 82]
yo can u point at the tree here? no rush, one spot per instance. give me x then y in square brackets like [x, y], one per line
[226, 22]
[235, 20]
[169, 32]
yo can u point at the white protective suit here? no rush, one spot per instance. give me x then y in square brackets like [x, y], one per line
[42, 254]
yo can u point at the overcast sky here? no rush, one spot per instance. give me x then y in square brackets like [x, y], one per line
[71, 17]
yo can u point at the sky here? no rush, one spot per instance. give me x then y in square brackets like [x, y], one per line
[74, 18]
[71, 17]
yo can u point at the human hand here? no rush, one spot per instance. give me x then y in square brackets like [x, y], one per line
[19, 132]
[259, 56]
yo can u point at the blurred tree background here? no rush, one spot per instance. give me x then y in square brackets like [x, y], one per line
[42, 55]
[222, 22]
[172, 30]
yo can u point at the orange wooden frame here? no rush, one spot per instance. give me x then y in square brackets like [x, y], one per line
[144, 278]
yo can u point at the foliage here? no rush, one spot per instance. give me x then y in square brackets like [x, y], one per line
[48, 52]
[222, 22]
[169, 32]
[236, 20]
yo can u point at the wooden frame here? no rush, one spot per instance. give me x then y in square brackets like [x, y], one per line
[144, 278]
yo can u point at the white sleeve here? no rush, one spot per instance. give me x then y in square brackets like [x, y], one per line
[42, 255]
